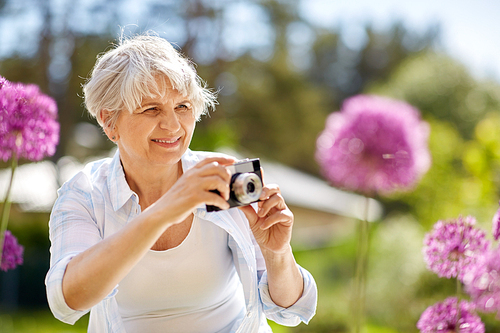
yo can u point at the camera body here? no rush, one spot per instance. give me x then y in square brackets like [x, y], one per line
[245, 186]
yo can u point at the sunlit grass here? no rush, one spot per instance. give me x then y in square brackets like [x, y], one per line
[40, 321]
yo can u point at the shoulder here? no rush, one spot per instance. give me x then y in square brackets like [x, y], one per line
[93, 176]
[82, 192]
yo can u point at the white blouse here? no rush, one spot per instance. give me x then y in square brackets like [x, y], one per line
[97, 202]
[193, 287]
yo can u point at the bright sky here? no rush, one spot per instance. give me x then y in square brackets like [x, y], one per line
[470, 29]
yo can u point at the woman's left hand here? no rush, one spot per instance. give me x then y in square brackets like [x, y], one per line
[272, 228]
[272, 223]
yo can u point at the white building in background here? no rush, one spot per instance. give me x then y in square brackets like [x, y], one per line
[323, 214]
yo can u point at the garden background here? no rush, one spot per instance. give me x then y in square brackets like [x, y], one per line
[280, 72]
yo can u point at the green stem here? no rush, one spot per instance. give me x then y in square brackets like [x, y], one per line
[359, 295]
[6, 206]
[459, 295]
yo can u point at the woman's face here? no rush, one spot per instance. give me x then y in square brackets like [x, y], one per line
[158, 132]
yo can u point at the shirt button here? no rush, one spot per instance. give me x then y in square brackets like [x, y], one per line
[249, 314]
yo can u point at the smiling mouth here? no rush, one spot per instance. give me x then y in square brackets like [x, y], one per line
[166, 141]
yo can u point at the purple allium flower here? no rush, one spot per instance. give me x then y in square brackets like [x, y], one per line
[28, 122]
[374, 145]
[12, 254]
[2, 81]
[482, 282]
[453, 247]
[496, 225]
[442, 318]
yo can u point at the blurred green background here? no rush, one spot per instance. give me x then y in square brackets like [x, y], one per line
[280, 74]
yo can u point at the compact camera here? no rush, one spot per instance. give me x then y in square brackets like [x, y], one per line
[245, 186]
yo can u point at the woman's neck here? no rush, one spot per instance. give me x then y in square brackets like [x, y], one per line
[150, 184]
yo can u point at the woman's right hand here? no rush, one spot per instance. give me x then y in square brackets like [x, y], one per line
[194, 188]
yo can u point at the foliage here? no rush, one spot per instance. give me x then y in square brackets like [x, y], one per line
[38, 322]
[282, 90]
[28, 291]
[443, 89]
[347, 70]
[273, 111]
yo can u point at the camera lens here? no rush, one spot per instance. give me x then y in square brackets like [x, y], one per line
[247, 188]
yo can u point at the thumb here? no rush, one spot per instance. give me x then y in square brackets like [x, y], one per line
[250, 214]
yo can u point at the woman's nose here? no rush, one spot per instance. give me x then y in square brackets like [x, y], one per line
[169, 121]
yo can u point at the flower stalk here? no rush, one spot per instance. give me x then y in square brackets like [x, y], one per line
[459, 298]
[6, 206]
[359, 294]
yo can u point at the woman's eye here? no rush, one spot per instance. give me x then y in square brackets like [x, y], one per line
[150, 110]
[183, 107]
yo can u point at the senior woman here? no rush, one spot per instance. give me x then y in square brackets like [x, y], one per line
[131, 238]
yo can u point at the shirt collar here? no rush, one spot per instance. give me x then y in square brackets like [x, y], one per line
[189, 160]
[119, 191]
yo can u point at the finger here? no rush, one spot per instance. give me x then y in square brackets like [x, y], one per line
[214, 199]
[220, 160]
[215, 182]
[214, 170]
[276, 201]
[284, 217]
[250, 214]
[268, 191]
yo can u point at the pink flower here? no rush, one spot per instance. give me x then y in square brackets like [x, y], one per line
[496, 225]
[453, 247]
[482, 282]
[442, 318]
[374, 145]
[28, 122]
[2, 82]
[12, 254]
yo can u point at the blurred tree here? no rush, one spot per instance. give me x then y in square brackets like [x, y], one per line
[279, 75]
[274, 111]
[54, 60]
[348, 67]
[285, 97]
[441, 87]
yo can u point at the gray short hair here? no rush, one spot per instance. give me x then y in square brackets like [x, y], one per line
[124, 75]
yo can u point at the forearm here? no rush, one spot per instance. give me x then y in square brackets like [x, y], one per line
[284, 278]
[92, 275]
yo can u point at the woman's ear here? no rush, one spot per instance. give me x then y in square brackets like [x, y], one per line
[105, 117]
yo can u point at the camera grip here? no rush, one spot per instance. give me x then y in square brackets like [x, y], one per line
[212, 208]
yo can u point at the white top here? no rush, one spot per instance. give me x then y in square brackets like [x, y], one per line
[193, 287]
[97, 203]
